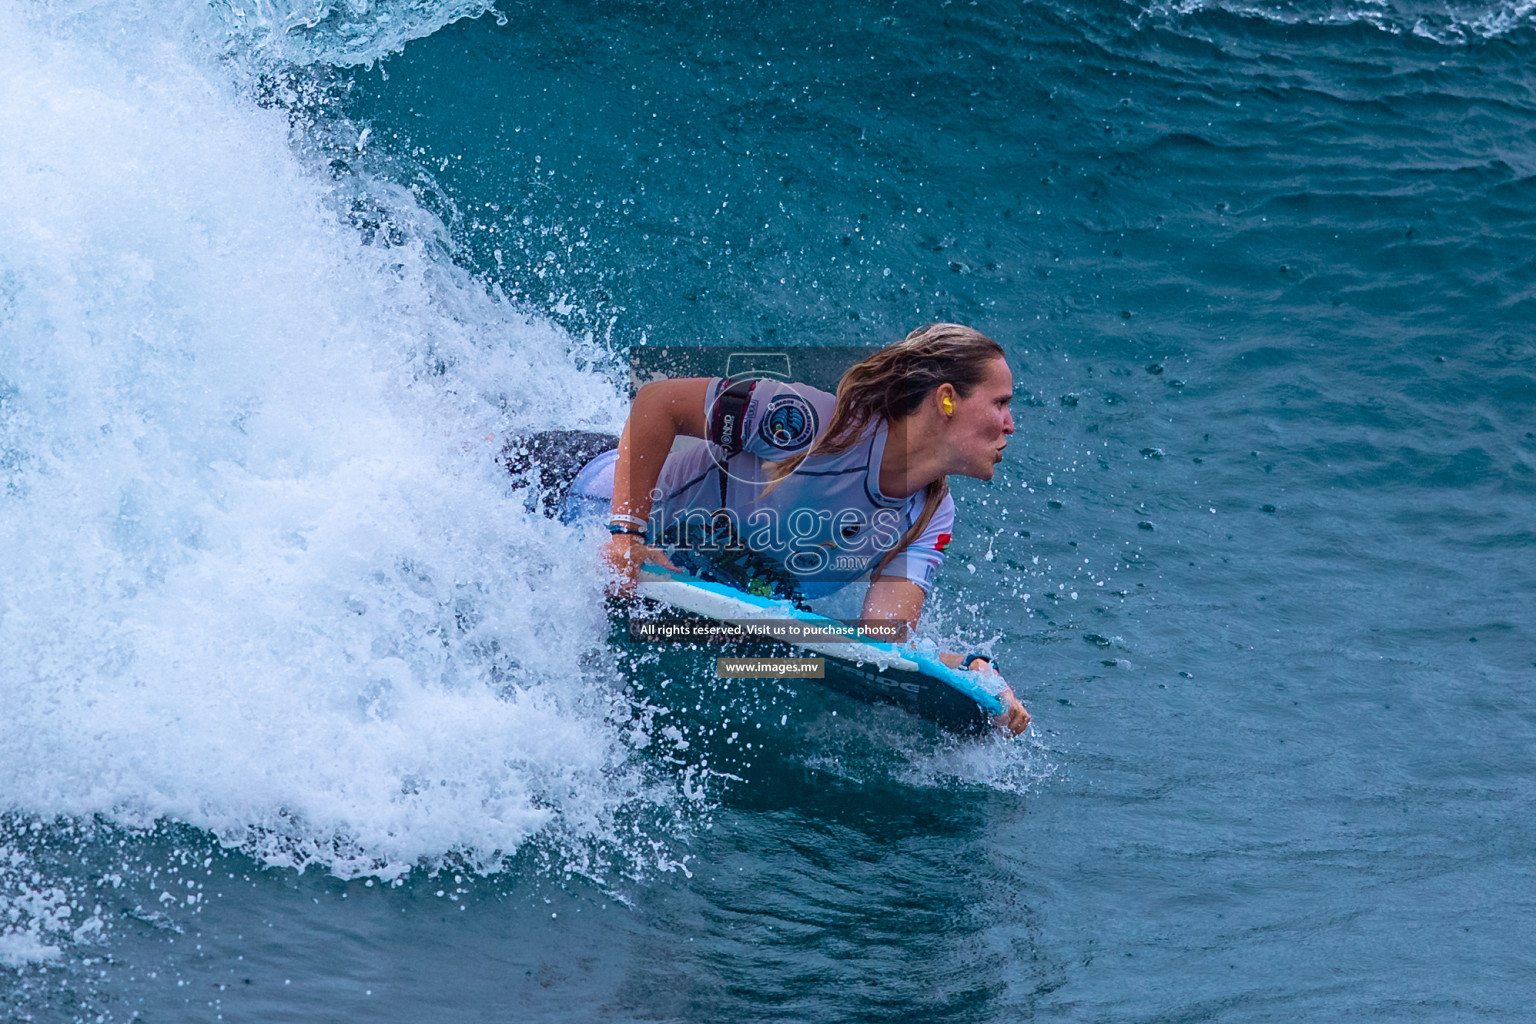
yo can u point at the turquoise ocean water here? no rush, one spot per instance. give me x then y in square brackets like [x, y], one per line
[303, 719]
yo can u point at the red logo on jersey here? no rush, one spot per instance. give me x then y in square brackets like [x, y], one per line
[942, 542]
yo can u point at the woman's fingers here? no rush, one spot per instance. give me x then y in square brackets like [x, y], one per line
[620, 554]
[644, 554]
[1014, 719]
[625, 554]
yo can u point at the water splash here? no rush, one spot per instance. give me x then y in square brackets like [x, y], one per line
[337, 34]
[263, 575]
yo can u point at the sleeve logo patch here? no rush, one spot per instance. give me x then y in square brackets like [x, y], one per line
[942, 542]
[788, 423]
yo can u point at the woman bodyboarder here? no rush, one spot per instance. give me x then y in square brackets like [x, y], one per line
[801, 492]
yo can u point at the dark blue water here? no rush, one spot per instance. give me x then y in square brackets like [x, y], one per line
[305, 720]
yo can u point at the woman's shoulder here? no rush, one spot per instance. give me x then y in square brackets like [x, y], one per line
[943, 515]
[778, 419]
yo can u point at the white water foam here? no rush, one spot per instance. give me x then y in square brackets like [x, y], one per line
[261, 573]
[255, 34]
[338, 34]
[1453, 24]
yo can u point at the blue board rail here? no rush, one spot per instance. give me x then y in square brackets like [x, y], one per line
[910, 674]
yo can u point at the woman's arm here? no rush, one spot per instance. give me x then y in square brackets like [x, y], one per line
[893, 599]
[661, 411]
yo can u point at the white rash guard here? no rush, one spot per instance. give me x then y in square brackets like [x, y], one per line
[826, 525]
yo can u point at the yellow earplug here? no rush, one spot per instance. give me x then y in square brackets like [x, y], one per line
[947, 406]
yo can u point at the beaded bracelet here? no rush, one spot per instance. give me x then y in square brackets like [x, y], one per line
[626, 531]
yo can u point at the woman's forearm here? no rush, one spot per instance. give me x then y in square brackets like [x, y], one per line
[661, 411]
[643, 449]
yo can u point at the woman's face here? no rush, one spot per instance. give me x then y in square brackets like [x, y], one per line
[979, 429]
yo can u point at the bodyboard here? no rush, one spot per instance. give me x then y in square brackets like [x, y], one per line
[908, 675]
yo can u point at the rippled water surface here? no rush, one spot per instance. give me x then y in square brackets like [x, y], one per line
[305, 719]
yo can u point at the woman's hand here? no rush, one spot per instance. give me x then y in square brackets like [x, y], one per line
[1014, 718]
[625, 553]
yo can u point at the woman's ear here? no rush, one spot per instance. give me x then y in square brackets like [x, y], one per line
[945, 395]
